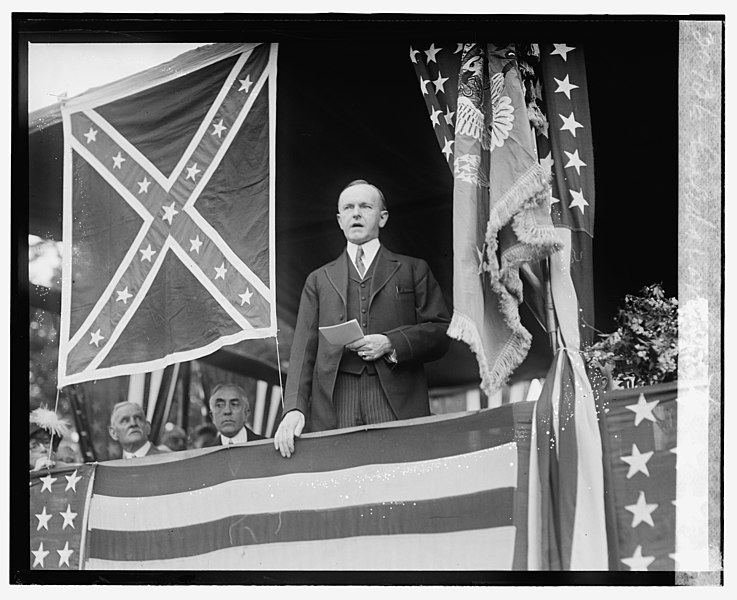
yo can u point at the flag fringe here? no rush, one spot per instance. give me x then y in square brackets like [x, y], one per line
[529, 191]
[515, 350]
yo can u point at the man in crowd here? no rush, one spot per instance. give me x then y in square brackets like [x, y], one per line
[403, 316]
[230, 410]
[129, 427]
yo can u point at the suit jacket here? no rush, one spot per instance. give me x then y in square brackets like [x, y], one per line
[405, 304]
[216, 441]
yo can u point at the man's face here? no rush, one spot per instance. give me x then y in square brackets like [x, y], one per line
[229, 410]
[38, 446]
[129, 427]
[360, 215]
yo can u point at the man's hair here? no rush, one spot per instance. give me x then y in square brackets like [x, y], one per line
[120, 405]
[235, 386]
[364, 182]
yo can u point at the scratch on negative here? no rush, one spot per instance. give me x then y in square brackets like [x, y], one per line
[278, 528]
[234, 525]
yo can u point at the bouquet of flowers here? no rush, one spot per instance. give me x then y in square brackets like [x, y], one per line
[644, 348]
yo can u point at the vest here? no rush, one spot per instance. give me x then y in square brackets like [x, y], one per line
[359, 293]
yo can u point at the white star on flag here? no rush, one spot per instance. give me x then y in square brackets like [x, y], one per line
[413, 54]
[123, 295]
[423, 86]
[578, 200]
[221, 271]
[440, 83]
[574, 161]
[40, 555]
[48, 481]
[91, 135]
[565, 86]
[562, 50]
[43, 520]
[192, 172]
[246, 297]
[169, 212]
[449, 115]
[641, 511]
[638, 562]
[143, 185]
[118, 160]
[570, 124]
[459, 48]
[245, 84]
[68, 517]
[553, 200]
[643, 409]
[447, 150]
[219, 128]
[637, 462]
[72, 481]
[147, 253]
[96, 338]
[64, 554]
[431, 52]
[196, 243]
[434, 117]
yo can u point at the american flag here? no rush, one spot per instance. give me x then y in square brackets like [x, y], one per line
[566, 151]
[58, 499]
[437, 493]
[168, 213]
[642, 444]
[476, 106]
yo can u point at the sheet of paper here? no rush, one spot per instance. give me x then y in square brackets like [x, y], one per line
[342, 333]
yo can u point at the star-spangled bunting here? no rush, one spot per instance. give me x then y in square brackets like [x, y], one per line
[168, 213]
[565, 143]
[437, 67]
[57, 505]
[642, 429]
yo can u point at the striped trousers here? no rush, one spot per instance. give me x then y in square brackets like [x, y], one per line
[360, 400]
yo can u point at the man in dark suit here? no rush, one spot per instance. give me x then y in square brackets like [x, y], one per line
[129, 427]
[230, 410]
[401, 310]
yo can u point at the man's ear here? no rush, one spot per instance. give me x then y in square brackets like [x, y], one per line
[147, 429]
[113, 433]
[383, 218]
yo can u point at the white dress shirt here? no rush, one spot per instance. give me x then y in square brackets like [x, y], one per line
[239, 438]
[370, 249]
[138, 453]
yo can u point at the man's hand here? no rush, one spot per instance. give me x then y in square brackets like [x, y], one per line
[372, 346]
[290, 427]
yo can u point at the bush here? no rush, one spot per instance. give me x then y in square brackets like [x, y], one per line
[644, 348]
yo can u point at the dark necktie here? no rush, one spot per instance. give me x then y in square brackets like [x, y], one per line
[359, 261]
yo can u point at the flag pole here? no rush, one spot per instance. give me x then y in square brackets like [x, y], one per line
[549, 306]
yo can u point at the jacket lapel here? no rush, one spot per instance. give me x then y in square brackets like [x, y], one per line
[386, 266]
[337, 274]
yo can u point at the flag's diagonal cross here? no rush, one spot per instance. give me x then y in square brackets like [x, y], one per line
[166, 207]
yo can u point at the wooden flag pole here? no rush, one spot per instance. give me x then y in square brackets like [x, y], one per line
[552, 326]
